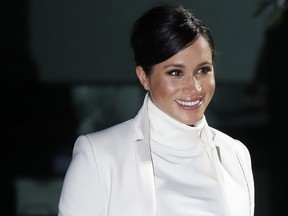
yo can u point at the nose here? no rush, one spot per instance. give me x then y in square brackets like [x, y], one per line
[192, 85]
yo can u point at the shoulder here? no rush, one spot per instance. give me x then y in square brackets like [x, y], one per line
[224, 139]
[121, 130]
[232, 150]
[230, 144]
[112, 141]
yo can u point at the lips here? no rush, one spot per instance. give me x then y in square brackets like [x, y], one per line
[188, 103]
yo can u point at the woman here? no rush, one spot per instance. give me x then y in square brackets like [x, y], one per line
[166, 161]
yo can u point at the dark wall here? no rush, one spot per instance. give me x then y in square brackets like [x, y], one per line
[55, 52]
[74, 41]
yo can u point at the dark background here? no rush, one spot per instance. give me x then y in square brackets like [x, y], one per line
[67, 69]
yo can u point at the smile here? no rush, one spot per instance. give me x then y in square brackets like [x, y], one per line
[188, 103]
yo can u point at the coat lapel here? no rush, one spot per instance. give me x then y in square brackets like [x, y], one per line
[144, 165]
[146, 179]
[230, 173]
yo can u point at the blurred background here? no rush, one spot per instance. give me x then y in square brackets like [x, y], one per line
[67, 69]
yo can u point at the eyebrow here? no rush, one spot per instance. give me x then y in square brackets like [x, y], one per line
[174, 65]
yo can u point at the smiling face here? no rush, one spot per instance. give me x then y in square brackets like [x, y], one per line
[183, 85]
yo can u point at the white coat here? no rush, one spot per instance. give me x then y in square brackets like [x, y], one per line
[111, 172]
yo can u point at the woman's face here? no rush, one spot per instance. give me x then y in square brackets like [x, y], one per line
[183, 85]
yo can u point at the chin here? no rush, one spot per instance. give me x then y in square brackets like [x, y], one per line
[188, 122]
[191, 121]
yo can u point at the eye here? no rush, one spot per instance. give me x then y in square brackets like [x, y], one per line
[204, 70]
[175, 73]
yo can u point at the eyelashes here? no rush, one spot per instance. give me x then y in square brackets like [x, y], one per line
[205, 69]
[175, 73]
[179, 73]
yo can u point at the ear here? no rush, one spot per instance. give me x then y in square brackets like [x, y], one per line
[143, 78]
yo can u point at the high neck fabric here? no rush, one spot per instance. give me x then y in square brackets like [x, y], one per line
[178, 139]
[185, 180]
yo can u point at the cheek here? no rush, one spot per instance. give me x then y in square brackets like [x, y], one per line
[210, 87]
[168, 90]
[162, 87]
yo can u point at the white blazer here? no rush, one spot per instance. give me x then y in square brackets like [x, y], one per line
[111, 172]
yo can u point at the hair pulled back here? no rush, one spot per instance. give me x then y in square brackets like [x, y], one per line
[163, 31]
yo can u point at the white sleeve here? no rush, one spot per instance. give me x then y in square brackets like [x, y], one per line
[82, 192]
[250, 180]
[246, 164]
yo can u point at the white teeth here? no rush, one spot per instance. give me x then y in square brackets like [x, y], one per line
[186, 103]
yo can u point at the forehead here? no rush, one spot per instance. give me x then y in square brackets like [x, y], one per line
[197, 52]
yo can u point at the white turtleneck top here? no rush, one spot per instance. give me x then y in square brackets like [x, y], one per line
[185, 179]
